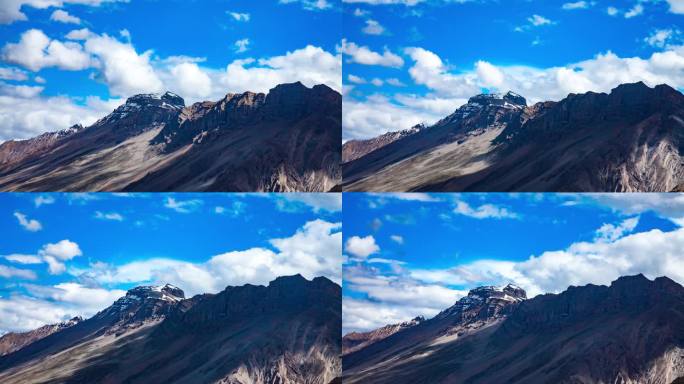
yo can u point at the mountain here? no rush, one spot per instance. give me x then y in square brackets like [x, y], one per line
[283, 141]
[354, 149]
[629, 140]
[355, 341]
[629, 332]
[286, 332]
[14, 341]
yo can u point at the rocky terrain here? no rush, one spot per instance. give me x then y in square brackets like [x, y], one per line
[15, 341]
[629, 140]
[629, 332]
[354, 149]
[287, 332]
[283, 141]
[354, 341]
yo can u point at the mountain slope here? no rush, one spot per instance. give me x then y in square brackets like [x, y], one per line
[15, 341]
[287, 332]
[630, 332]
[286, 140]
[628, 140]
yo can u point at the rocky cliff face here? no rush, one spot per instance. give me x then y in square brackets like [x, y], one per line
[355, 341]
[628, 332]
[287, 332]
[628, 140]
[354, 149]
[286, 140]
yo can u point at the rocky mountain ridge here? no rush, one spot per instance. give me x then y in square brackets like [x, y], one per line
[286, 332]
[286, 140]
[628, 332]
[627, 140]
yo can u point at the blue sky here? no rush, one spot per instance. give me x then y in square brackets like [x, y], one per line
[85, 57]
[407, 62]
[416, 254]
[74, 254]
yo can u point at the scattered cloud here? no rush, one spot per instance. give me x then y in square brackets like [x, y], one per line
[112, 216]
[362, 247]
[63, 16]
[373, 27]
[637, 10]
[576, 5]
[43, 200]
[241, 45]
[11, 10]
[30, 225]
[183, 206]
[364, 55]
[397, 239]
[237, 16]
[485, 211]
[610, 232]
[10, 272]
[661, 38]
[36, 51]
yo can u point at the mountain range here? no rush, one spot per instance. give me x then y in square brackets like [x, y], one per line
[631, 332]
[287, 332]
[629, 140]
[286, 140]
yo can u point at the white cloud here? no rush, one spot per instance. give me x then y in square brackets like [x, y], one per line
[63, 16]
[395, 82]
[9, 73]
[576, 5]
[36, 51]
[10, 272]
[330, 202]
[356, 79]
[373, 28]
[538, 20]
[377, 82]
[79, 34]
[10, 10]
[364, 55]
[310, 5]
[397, 239]
[610, 232]
[612, 11]
[661, 38]
[123, 70]
[310, 65]
[241, 45]
[23, 259]
[358, 12]
[676, 6]
[191, 81]
[43, 200]
[31, 225]
[112, 216]
[237, 16]
[485, 211]
[362, 247]
[183, 206]
[314, 250]
[637, 10]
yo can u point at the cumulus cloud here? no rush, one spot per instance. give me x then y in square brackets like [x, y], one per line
[362, 247]
[31, 225]
[63, 16]
[36, 51]
[314, 250]
[485, 211]
[661, 38]
[55, 254]
[364, 55]
[676, 6]
[611, 232]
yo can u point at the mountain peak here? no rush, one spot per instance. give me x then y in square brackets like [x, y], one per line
[288, 280]
[167, 99]
[166, 292]
[510, 99]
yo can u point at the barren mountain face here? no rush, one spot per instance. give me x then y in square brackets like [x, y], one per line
[287, 332]
[625, 141]
[630, 332]
[287, 140]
